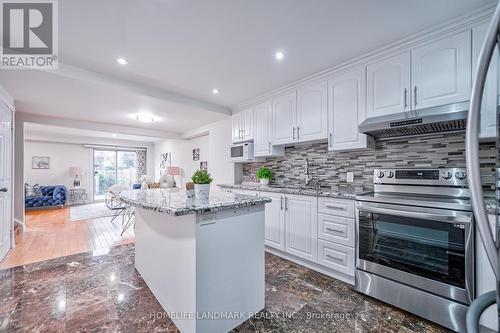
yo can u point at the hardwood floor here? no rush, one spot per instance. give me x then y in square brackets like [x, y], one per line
[50, 233]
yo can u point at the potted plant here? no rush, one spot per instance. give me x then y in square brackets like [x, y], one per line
[201, 180]
[264, 175]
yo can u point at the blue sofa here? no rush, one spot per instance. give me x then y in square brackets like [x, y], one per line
[51, 196]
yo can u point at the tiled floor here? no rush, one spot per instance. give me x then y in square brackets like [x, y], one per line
[50, 233]
[102, 292]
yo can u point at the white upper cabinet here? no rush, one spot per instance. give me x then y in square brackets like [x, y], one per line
[312, 112]
[247, 124]
[284, 111]
[262, 129]
[388, 86]
[441, 71]
[488, 123]
[236, 127]
[243, 126]
[346, 110]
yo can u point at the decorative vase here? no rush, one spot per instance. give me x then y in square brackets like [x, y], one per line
[190, 194]
[264, 181]
[76, 182]
[202, 191]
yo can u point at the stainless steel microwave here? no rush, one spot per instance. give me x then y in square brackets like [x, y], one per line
[242, 152]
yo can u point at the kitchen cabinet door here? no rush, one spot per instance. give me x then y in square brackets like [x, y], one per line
[236, 119]
[262, 133]
[488, 121]
[485, 278]
[441, 71]
[301, 226]
[247, 124]
[388, 86]
[275, 221]
[346, 110]
[284, 114]
[312, 112]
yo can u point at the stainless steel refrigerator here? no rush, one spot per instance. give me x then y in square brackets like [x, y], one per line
[488, 57]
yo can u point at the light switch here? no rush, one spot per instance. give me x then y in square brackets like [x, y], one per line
[350, 177]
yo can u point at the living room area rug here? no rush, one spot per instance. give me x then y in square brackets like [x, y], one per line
[90, 211]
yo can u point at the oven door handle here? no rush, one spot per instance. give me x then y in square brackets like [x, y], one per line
[452, 217]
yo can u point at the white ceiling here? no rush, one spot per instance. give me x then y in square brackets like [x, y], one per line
[39, 132]
[192, 46]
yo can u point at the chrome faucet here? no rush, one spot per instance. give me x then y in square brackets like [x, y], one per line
[309, 178]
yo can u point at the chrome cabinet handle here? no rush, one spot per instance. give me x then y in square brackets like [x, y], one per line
[286, 203]
[335, 207]
[405, 96]
[340, 232]
[334, 258]
[4, 189]
[281, 203]
[415, 95]
[298, 135]
[269, 146]
[331, 139]
[293, 135]
[472, 142]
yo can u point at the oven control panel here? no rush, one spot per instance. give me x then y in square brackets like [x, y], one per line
[435, 177]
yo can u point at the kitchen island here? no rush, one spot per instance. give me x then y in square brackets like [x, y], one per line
[203, 260]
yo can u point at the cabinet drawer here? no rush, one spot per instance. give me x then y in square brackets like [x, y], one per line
[337, 257]
[336, 229]
[339, 207]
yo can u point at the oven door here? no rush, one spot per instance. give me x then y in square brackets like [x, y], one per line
[429, 249]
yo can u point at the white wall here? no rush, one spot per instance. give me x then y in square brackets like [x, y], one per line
[182, 155]
[62, 157]
[213, 141]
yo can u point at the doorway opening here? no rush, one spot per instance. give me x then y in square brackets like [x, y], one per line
[112, 167]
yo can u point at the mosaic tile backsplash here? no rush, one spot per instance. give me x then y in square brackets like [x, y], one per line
[330, 168]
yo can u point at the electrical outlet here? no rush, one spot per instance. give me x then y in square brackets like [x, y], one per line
[350, 177]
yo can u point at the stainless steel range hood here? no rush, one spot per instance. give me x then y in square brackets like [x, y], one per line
[445, 118]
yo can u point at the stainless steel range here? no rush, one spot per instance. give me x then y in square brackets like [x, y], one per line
[415, 243]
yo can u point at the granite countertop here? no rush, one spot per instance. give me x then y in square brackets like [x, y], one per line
[176, 202]
[347, 192]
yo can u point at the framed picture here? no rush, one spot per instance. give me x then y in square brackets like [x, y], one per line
[203, 165]
[40, 162]
[196, 154]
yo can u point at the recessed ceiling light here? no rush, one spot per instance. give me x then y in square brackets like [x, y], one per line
[145, 117]
[122, 61]
[215, 91]
[114, 135]
[279, 55]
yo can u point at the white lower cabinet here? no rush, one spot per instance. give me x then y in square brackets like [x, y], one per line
[275, 222]
[318, 233]
[485, 278]
[337, 257]
[336, 229]
[301, 227]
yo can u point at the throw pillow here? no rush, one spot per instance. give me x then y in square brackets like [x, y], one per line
[33, 191]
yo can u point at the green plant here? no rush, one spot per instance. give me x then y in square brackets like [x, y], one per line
[264, 173]
[201, 177]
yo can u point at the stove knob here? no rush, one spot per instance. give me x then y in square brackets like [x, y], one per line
[389, 174]
[461, 175]
[380, 174]
[446, 175]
